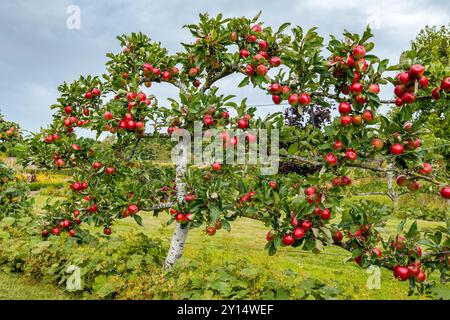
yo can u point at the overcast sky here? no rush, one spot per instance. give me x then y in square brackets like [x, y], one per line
[39, 52]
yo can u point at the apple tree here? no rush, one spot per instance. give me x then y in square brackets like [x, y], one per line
[299, 206]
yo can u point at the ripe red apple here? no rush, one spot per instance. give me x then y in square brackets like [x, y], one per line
[401, 273]
[317, 210]
[338, 145]
[243, 124]
[399, 90]
[56, 231]
[210, 231]
[374, 88]
[72, 233]
[288, 239]
[413, 269]
[356, 88]
[402, 180]
[299, 233]
[243, 53]
[261, 70]
[426, 169]
[166, 75]
[326, 214]
[416, 71]
[346, 120]
[132, 209]
[404, 78]
[306, 225]
[361, 65]
[445, 192]
[359, 51]
[420, 277]
[336, 182]
[351, 154]
[44, 233]
[208, 120]
[408, 98]
[346, 180]
[96, 92]
[179, 217]
[272, 184]
[344, 108]
[107, 231]
[337, 236]
[225, 115]
[304, 99]
[310, 191]
[196, 83]
[293, 99]
[413, 185]
[331, 159]
[189, 197]
[367, 116]
[256, 28]
[275, 88]
[423, 82]
[276, 99]
[68, 109]
[249, 70]
[445, 84]
[285, 89]
[397, 149]
[251, 38]
[377, 144]
[357, 120]
[275, 61]
[216, 166]
[60, 163]
[377, 252]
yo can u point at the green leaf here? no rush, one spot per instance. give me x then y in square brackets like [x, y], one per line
[138, 219]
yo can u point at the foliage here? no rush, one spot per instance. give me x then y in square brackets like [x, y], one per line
[115, 179]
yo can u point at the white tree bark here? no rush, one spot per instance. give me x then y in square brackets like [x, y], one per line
[390, 181]
[180, 234]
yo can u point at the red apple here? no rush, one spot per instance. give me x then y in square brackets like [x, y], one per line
[331, 159]
[304, 99]
[416, 71]
[397, 149]
[299, 233]
[401, 273]
[344, 108]
[359, 51]
[288, 239]
[445, 192]
[402, 180]
[377, 144]
[426, 169]
[374, 88]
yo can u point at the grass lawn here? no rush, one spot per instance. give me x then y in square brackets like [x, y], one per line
[245, 241]
[16, 287]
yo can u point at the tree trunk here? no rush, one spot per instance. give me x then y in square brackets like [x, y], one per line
[390, 181]
[180, 233]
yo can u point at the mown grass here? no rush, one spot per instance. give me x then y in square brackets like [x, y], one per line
[246, 241]
[16, 287]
